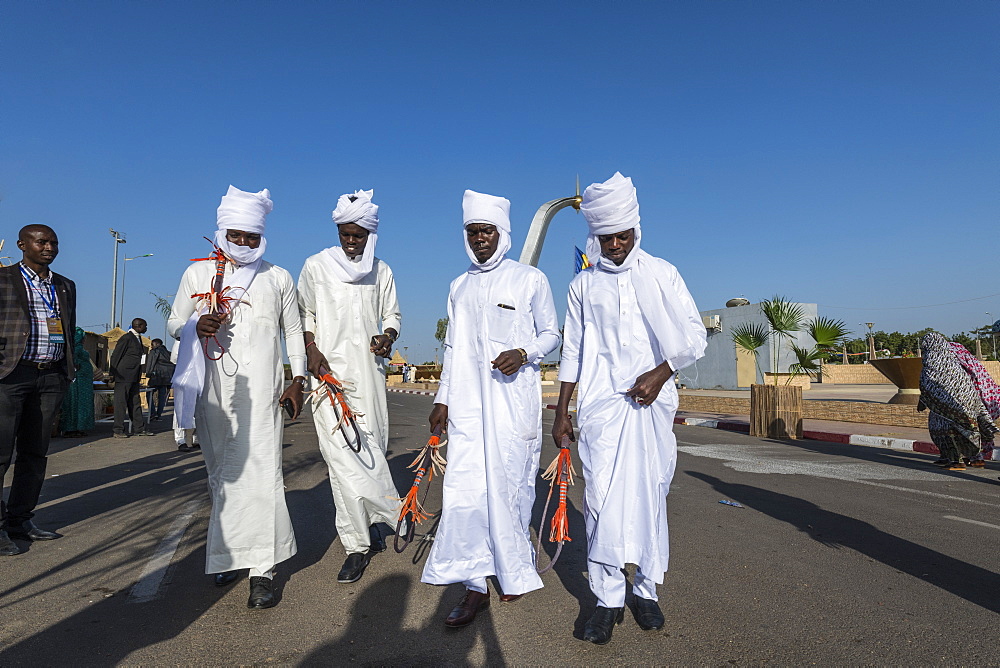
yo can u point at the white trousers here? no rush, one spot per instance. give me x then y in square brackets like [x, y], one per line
[608, 584]
[476, 584]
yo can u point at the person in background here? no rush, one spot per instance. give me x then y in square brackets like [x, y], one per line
[77, 414]
[958, 419]
[186, 439]
[159, 372]
[126, 369]
[37, 308]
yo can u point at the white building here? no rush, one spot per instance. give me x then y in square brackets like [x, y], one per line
[724, 367]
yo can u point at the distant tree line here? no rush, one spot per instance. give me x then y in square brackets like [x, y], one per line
[902, 345]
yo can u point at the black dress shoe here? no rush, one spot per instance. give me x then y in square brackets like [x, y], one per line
[261, 593]
[229, 577]
[648, 614]
[28, 531]
[8, 548]
[377, 543]
[602, 623]
[467, 609]
[354, 567]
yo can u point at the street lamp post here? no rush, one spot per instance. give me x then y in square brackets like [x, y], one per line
[124, 266]
[119, 239]
[871, 341]
[993, 335]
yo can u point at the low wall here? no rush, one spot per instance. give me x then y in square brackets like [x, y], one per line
[814, 409]
[852, 374]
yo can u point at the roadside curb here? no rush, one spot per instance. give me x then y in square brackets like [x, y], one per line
[828, 436]
[427, 393]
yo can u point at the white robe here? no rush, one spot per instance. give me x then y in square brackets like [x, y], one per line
[344, 317]
[628, 452]
[239, 419]
[494, 427]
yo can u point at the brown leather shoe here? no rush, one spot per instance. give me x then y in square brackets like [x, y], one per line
[467, 608]
[507, 598]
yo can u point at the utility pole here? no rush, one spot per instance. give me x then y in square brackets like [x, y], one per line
[119, 239]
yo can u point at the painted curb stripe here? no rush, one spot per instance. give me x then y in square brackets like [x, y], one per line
[922, 447]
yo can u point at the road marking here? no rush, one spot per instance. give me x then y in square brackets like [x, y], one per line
[976, 522]
[763, 459]
[156, 568]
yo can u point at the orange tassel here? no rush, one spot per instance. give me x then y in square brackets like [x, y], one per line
[561, 473]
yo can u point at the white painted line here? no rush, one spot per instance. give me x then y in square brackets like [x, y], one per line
[701, 422]
[881, 442]
[976, 522]
[156, 568]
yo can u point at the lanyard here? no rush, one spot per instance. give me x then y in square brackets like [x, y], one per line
[50, 303]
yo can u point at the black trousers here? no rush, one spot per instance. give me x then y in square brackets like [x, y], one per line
[127, 403]
[29, 401]
[158, 399]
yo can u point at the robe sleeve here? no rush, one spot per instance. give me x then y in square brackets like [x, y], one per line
[572, 352]
[442, 394]
[184, 303]
[291, 324]
[543, 310]
[391, 317]
[307, 299]
[684, 313]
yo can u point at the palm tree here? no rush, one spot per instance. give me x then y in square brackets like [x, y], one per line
[784, 320]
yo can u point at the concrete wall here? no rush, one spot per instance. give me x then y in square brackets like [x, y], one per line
[852, 374]
[717, 369]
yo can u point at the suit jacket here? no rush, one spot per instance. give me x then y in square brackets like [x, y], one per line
[126, 360]
[15, 318]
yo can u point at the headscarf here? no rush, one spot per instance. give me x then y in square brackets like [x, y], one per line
[361, 212]
[988, 390]
[244, 211]
[492, 210]
[612, 207]
[239, 210]
[949, 392]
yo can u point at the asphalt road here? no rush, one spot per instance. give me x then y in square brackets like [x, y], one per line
[840, 555]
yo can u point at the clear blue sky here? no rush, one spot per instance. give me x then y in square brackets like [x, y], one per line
[843, 153]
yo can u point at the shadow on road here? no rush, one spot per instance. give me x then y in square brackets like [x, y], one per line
[974, 584]
[376, 634]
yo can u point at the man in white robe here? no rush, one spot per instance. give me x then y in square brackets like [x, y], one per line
[501, 323]
[236, 398]
[351, 318]
[630, 325]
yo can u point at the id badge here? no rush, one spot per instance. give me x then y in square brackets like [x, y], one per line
[55, 330]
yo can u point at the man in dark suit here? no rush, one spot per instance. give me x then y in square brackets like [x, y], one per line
[126, 367]
[37, 313]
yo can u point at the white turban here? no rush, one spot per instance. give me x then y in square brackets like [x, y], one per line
[363, 213]
[610, 207]
[482, 208]
[492, 210]
[244, 211]
[360, 212]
